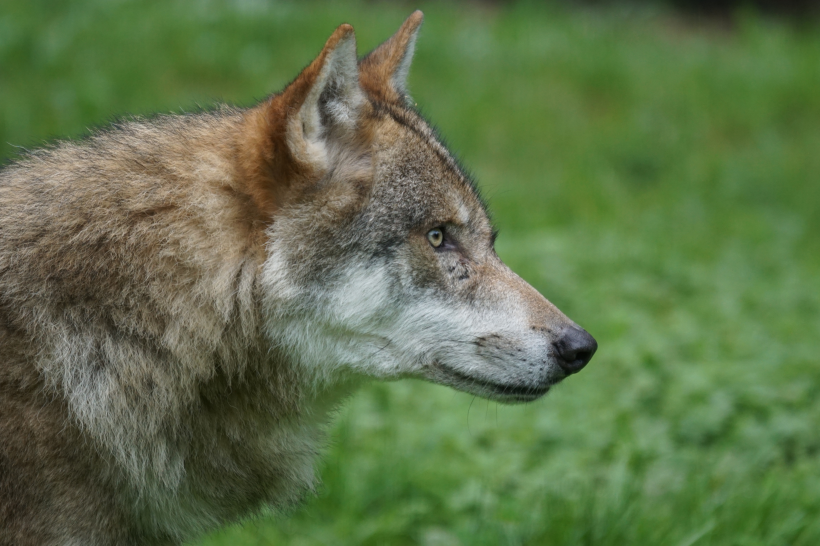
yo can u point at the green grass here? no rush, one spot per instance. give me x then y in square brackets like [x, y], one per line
[658, 180]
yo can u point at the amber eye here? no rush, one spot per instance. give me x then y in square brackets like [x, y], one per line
[436, 237]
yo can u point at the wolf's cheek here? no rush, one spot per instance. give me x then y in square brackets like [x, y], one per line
[488, 353]
[489, 333]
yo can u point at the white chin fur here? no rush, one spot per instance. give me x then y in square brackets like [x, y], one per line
[363, 328]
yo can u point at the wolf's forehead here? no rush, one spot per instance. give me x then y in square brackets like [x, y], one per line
[419, 174]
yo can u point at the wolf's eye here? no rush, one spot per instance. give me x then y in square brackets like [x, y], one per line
[436, 237]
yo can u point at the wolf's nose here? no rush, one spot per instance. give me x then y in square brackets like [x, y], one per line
[574, 349]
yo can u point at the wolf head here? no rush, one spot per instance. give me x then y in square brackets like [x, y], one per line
[380, 258]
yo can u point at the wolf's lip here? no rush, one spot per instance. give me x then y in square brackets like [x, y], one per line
[512, 392]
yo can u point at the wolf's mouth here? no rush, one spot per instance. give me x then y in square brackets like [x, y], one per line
[508, 392]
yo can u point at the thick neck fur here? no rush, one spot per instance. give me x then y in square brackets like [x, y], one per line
[157, 342]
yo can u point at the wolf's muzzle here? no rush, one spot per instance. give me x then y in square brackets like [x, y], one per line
[574, 349]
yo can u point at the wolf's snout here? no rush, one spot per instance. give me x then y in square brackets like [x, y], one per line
[574, 349]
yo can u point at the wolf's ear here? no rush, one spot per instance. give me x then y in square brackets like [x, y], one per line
[325, 100]
[384, 70]
[293, 131]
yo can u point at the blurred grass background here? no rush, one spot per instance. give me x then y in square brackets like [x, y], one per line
[657, 176]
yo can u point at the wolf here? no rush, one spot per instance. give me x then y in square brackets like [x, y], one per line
[185, 299]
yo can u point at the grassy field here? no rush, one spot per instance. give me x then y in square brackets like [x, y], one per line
[657, 179]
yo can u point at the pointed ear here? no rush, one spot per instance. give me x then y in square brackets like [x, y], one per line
[384, 71]
[295, 128]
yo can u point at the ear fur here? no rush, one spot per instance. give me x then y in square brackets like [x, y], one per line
[326, 98]
[384, 71]
[288, 137]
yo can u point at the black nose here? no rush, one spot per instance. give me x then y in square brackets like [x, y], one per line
[574, 349]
